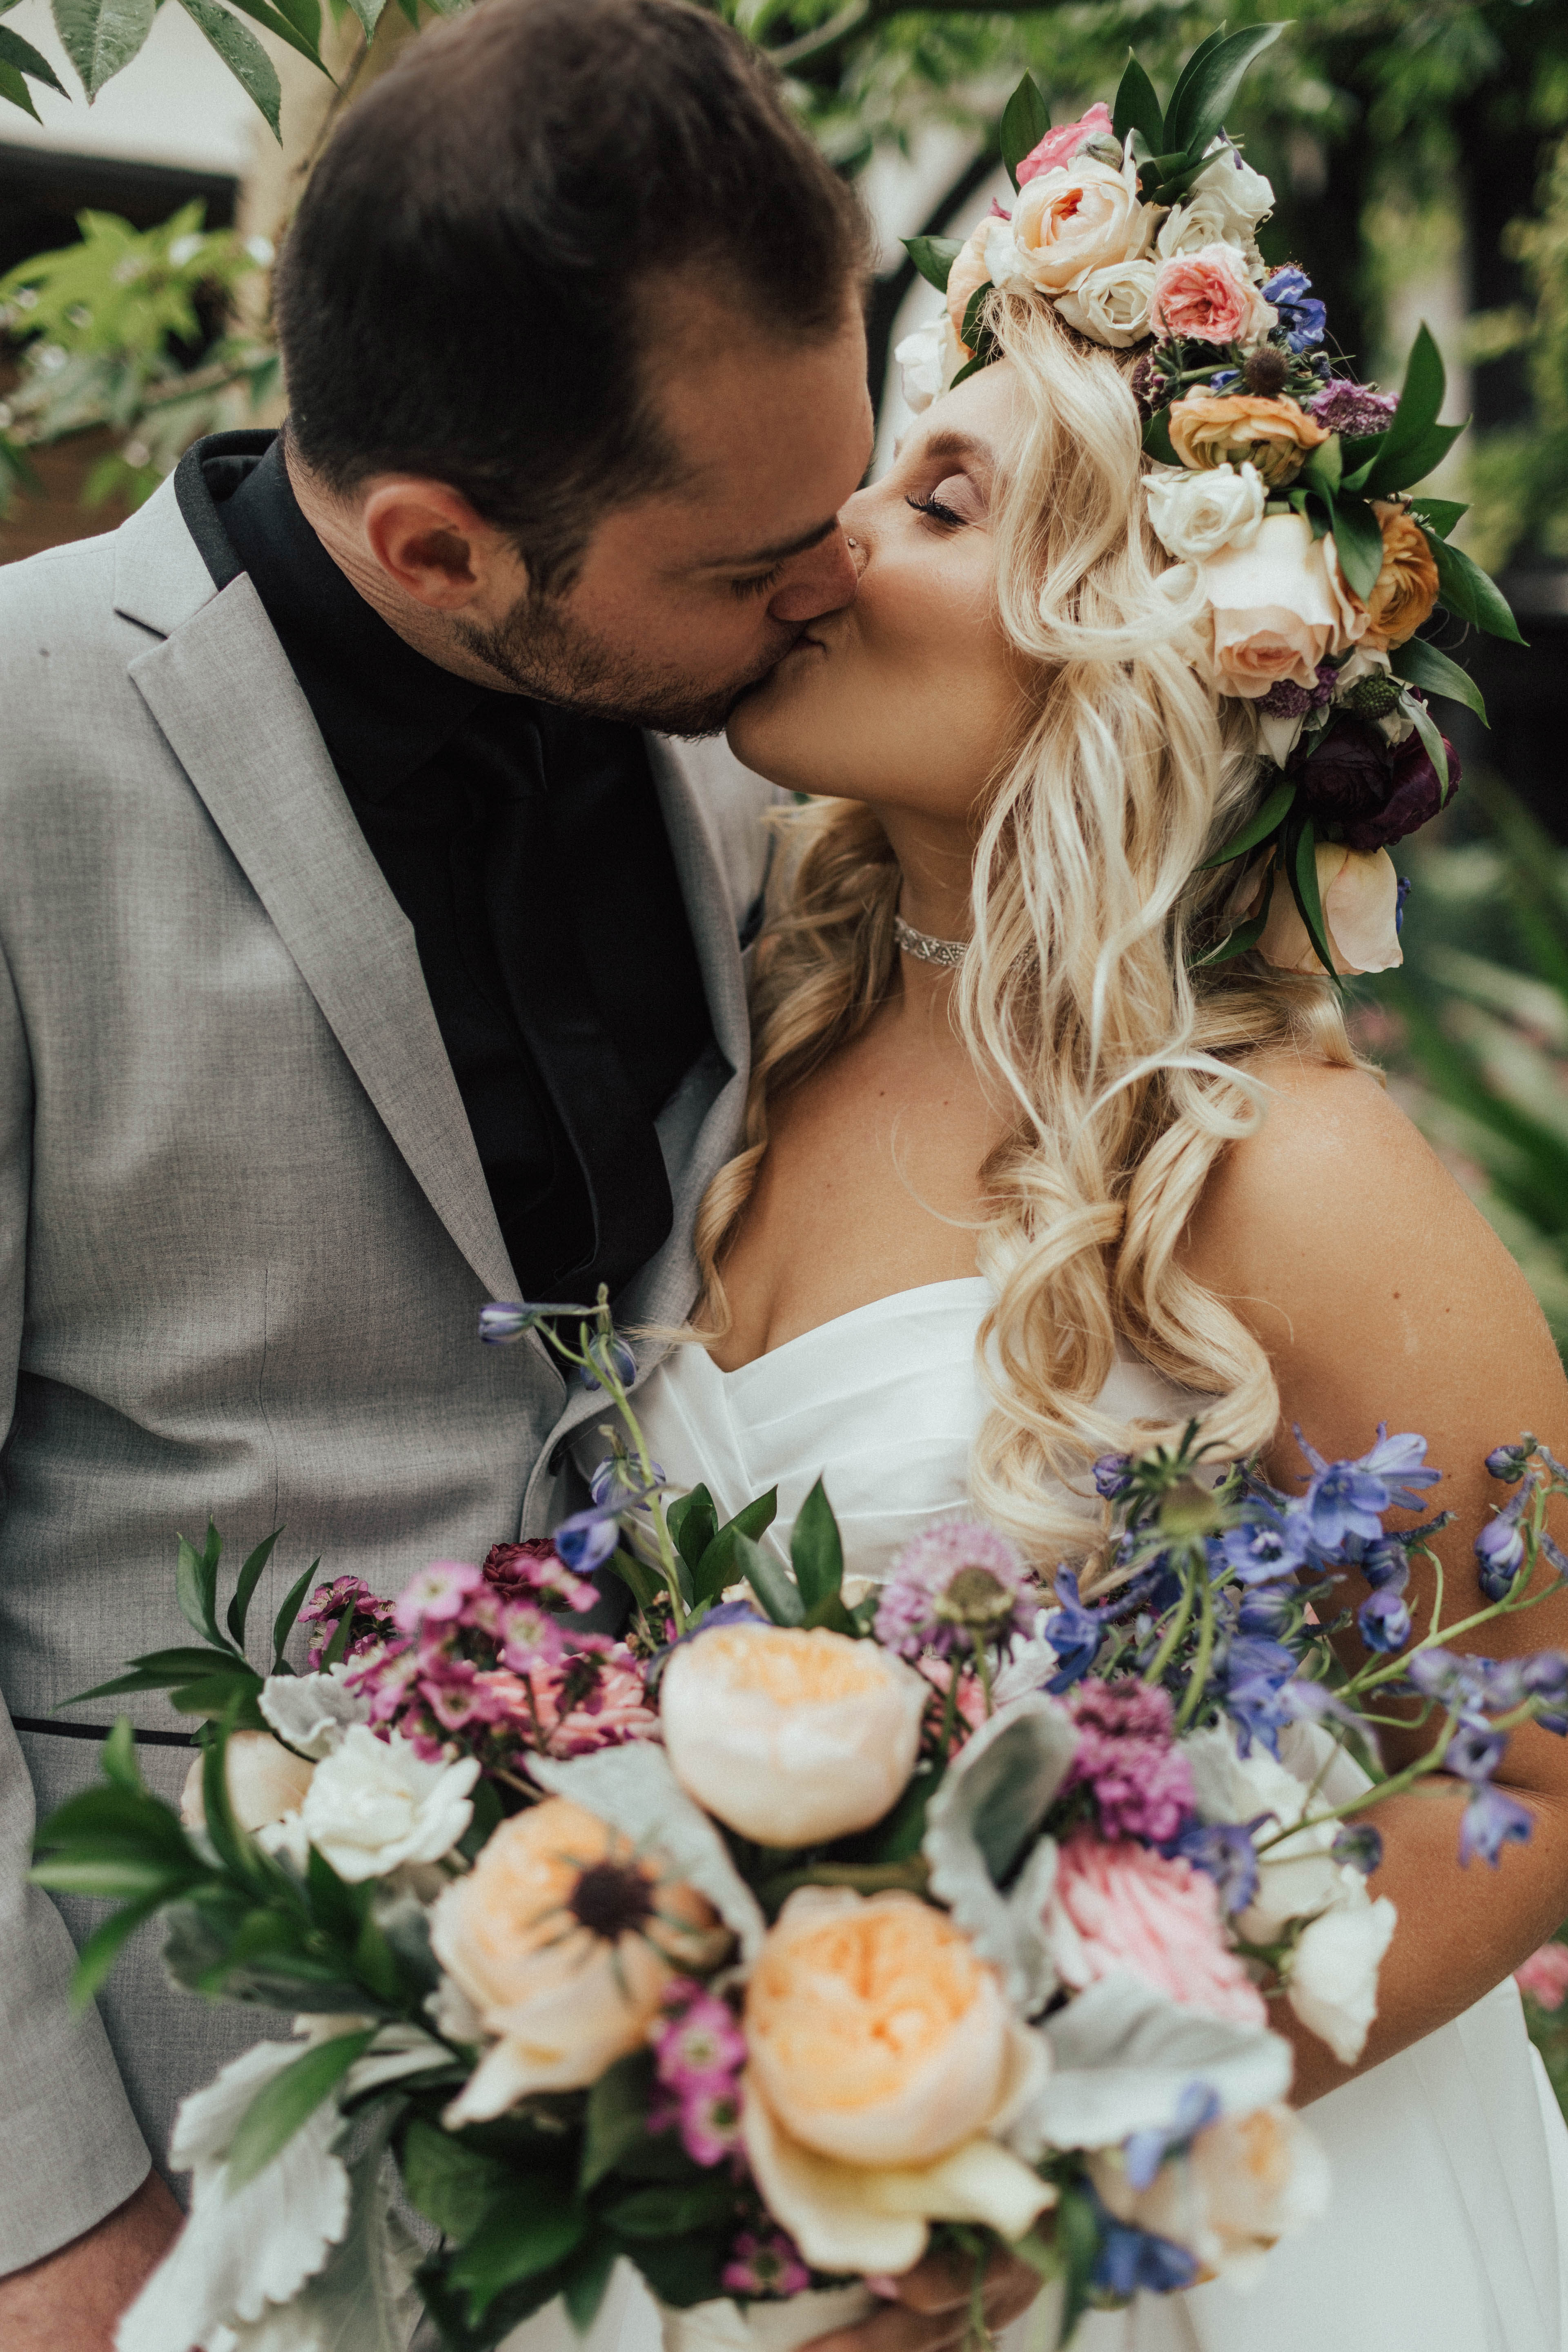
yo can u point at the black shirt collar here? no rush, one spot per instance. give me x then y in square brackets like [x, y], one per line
[382, 708]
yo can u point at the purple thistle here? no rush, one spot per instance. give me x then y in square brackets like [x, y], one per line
[1286, 699]
[1353, 409]
[957, 1588]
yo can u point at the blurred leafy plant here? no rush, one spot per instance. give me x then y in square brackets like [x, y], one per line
[119, 332]
[1518, 474]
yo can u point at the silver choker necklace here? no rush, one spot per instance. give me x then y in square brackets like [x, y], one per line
[924, 948]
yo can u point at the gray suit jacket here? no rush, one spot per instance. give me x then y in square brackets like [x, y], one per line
[244, 1235]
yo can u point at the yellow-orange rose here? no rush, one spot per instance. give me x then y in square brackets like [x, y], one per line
[881, 2054]
[1239, 428]
[562, 1939]
[1407, 588]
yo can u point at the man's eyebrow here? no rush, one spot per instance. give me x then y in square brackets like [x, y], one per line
[776, 555]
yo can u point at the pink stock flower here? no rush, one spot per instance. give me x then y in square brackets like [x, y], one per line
[1544, 1976]
[709, 2123]
[699, 2051]
[1060, 145]
[373, 1618]
[1208, 298]
[529, 1636]
[438, 1592]
[1141, 1781]
[1126, 1908]
[769, 2266]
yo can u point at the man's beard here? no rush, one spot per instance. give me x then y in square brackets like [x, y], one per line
[545, 655]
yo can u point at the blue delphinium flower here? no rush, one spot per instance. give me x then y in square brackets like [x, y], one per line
[1385, 1565]
[1474, 1752]
[1348, 1499]
[1302, 316]
[1358, 1845]
[1224, 1851]
[618, 1484]
[587, 1539]
[1223, 378]
[1545, 1676]
[1132, 2261]
[1400, 896]
[1507, 1461]
[1267, 1544]
[502, 1320]
[1251, 1679]
[1113, 1477]
[1500, 1547]
[1492, 1821]
[1144, 2152]
[1073, 1632]
[1383, 1618]
[1268, 1611]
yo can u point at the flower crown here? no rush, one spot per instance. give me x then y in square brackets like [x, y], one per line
[1279, 484]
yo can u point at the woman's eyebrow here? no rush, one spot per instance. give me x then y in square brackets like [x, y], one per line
[958, 444]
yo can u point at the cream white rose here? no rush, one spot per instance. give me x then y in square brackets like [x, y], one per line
[265, 1781]
[791, 1738]
[1080, 216]
[375, 1804]
[928, 360]
[1334, 1973]
[1243, 2184]
[560, 1941]
[1280, 607]
[1225, 206]
[1195, 516]
[1111, 305]
[1359, 890]
[312, 1712]
[881, 2053]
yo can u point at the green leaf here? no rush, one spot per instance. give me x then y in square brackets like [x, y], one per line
[244, 56]
[972, 334]
[1245, 936]
[816, 1550]
[451, 2184]
[1466, 592]
[1419, 664]
[716, 1568]
[337, 1649]
[1324, 468]
[1268, 819]
[1157, 439]
[487, 1819]
[519, 2237]
[283, 1624]
[14, 90]
[195, 1586]
[279, 22]
[768, 1579]
[584, 2289]
[105, 1944]
[1026, 118]
[1439, 514]
[244, 1591]
[369, 14]
[1420, 399]
[934, 256]
[644, 1583]
[305, 16]
[118, 1758]
[1209, 81]
[1136, 108]
[693, 1523]
[1384, 476]
[1358, 541]
[126, 1880]
[1432, 741]
[162, 1670]
[102, 36]
[24, 59]
[233, 1846]
[1301, 872]
[215, 1695]
[114, 1818]
[279, 2109]
[616, 2117]
[670, 2211]
[1075, 2233]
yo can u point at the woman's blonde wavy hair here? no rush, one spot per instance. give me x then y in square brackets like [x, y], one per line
[1120, 1065]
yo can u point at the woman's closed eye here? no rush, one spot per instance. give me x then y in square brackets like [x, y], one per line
[956, 499]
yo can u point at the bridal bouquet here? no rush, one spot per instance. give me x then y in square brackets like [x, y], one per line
[807, 1926]
[1287, 492]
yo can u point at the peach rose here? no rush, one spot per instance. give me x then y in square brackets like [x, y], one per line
[1280, 607]
[560, 1941]
[1359, 894]
[1210, 428]
[1244, 2183]
[968, 273]
[1060, 145]
[1207, 297]
[1069, 220]
[265, 1781]
[1407, 588]
[880, 2054]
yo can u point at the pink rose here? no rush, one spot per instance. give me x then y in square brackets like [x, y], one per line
[1544, 1976]
[1208, 298]
[1124, 1906]
[1280, 607]
[1058, 146]
[1360, 898]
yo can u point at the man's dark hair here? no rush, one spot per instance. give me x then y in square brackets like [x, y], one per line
[459, 295]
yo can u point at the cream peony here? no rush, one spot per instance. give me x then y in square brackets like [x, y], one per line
[560, 1941]
[1279, 606]
[265, 1781]
[881, 2054]
[1195, 516]
[1111, 305]
[1359, 894]
[927, 361]
[1244, 2183]
[375, 1804]
[1334, 1973]
[791, 1738]
[1080, 216]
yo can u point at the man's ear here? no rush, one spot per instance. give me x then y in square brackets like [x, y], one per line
[432, 544]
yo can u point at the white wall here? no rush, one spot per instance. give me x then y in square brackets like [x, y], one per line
[175, 103]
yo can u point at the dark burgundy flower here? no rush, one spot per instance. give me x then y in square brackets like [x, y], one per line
[1373, 793]
[513, 1568]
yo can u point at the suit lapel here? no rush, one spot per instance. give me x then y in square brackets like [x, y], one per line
[220, 687]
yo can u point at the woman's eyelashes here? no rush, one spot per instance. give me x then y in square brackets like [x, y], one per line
[955, 500]
[934, 507]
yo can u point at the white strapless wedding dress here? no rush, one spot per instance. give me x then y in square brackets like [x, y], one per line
[1450, 2162]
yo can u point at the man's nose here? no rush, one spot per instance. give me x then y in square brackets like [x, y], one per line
[822, 581]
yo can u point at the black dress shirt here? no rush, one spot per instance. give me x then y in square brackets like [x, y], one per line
[526, 846]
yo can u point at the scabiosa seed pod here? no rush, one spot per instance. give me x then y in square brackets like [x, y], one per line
[1267, 372]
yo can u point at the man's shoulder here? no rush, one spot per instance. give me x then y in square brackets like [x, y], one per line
[74, 582]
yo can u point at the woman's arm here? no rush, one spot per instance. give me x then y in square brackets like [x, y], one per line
[1381, 1294]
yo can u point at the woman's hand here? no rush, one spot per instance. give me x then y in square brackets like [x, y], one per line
[933, 2305]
